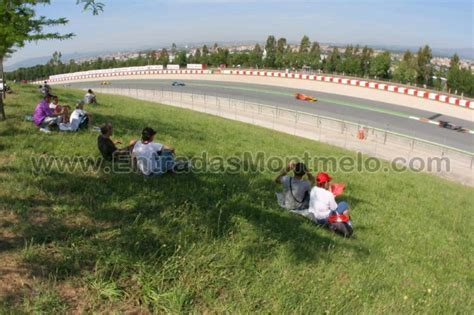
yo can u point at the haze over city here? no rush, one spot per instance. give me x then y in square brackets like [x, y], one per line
[447, 26]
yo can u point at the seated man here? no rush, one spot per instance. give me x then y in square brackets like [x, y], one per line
[63, 111]
[153, 158]
[296, 190]
[322, 200]
[90, 98]
[79, 119]
[107, 147]
[43, 116]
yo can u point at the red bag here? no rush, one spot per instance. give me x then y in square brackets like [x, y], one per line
[337, 188]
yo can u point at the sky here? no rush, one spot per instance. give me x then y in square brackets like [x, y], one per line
[136, 24]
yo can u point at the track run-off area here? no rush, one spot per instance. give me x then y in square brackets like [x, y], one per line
[396, 118]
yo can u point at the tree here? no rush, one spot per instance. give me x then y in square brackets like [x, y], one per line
[345, 65]
[164, 58]
[355, 62]
[270, 49]
[304, 44]
[19, 25]
[365, 60]
[466, 82]
[332, 61]
[197, 56]
[424, 68]
[205, 55]
[256, 55]
[91, 5]
[314, 57]
[454, 74]
[220, 57]
[181, 59]
[406, 70]
[280, 52]
[281, 45]
[380, 66]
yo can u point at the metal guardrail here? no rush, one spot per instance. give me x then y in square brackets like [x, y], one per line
[376, 142]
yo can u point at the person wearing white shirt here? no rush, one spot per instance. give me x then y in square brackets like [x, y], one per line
[90, 98]
[323, 202]
[63, 111]
[152, 158]
[77, 119]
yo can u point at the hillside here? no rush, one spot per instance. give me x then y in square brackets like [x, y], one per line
[97, 241]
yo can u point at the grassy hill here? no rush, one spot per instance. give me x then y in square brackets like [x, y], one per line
[97, 241]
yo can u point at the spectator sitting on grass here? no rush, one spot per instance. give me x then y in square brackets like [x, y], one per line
[322, 200]
[62, 111]
[79, 119]
[90, 97]
[153, 158]
[45, 89]
[108, 148]
[43, 116]
[295, 195]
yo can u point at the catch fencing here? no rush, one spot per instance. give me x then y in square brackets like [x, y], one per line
[376, 142]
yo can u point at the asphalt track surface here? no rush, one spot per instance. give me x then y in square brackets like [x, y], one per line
[370, 113]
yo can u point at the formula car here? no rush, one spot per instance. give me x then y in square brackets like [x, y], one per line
[448, 125]
[307, 98]
[178, 83]
[105, 83]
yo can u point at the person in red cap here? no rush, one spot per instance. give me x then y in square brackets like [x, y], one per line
[322, 201]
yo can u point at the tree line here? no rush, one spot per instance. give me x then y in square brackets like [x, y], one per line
[412, 68]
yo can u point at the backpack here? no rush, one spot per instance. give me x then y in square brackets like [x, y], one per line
[340, 224]
[84, 122]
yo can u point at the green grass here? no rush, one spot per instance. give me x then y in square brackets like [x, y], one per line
[97, 242]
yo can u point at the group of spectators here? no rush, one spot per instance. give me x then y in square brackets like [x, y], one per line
[148, 157]
[314, 194]
[50, 114]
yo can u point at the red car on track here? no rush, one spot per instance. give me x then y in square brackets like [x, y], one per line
[304, 97]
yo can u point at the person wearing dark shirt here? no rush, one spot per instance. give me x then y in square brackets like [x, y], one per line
[108, 148]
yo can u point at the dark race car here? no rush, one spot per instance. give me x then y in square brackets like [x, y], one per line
[178, 83]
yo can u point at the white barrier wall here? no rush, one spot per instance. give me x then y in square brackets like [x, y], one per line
[144, 70]
[158, 69]
[356, 82]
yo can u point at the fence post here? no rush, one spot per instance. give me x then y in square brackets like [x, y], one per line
[296, 122]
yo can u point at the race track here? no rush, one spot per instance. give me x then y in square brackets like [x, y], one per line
[371, 113]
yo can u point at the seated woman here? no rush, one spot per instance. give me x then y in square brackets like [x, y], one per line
[79, 119]
[295, 195]
[322, 200]
[61, 110]
[108, 148]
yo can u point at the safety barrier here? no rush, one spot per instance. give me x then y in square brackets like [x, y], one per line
[375, 142]
[157, 70]
[357, 82]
